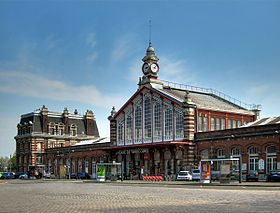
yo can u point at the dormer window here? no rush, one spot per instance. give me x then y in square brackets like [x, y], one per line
[61, 129]
[73, 130]
[52, 129]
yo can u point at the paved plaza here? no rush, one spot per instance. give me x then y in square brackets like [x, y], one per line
[78, 196]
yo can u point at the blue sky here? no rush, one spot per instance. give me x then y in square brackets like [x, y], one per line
[87, 54]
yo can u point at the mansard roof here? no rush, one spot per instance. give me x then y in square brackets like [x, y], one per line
[35, 118]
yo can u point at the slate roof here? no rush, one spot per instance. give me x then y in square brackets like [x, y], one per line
[35, 119]
[264, 121]
[203, 100]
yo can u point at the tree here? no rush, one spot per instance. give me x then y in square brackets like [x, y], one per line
[4, 164]
[8, 164]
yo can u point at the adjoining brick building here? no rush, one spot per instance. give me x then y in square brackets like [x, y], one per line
[258, 145]
[43, 129]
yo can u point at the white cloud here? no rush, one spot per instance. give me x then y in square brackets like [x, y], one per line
[259, 90]
[31, 85]
[176, 70]
[51, 41]
[92, 57]
[124, 46]
[91, 40]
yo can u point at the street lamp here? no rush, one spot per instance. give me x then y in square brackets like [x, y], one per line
[69, 163]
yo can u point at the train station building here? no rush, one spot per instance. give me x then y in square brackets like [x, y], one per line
[166, 127]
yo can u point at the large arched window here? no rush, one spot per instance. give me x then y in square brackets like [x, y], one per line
[271, 158]
[147, 118]
[129, 126]
[138, 124]
[179, 124]
[157, 122]
[235, 152]
[168, 124]
[120, 130]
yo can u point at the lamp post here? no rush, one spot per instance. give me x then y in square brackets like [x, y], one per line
[240, 168]
[69, 162]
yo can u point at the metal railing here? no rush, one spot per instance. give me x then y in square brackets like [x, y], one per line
[212, 92]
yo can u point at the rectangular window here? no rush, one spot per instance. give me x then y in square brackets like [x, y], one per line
[234, 124]
[238, 123]
[223, 123]
[218, 124]
[199, 124]
[229, 124]
[212, 124]
[205, 124]
[253, 164]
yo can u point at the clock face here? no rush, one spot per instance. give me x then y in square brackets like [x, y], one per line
[154, 67]
[145, 68]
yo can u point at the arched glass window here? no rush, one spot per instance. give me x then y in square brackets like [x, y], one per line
[128, 131]
[168, 125]
[138, 124]
[179, 124]
[253, 150]
[271, 150]
[120, 137]
[157, 122]
[147, 119]
[235, 152]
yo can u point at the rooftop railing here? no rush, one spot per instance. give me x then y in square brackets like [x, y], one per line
[213, 92]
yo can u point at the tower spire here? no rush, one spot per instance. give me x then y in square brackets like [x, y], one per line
[150, 32]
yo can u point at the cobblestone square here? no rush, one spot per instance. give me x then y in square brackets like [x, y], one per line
[77, 196]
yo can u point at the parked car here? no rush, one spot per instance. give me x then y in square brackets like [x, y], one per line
[73, 175]
[80, 175]
[23, 176]
[8, 175]
[273, 176]
[83, 175]
[252, 175]
[17, 174]
[196, 174]
[184, 175]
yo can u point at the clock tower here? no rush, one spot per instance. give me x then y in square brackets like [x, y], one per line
[150, 67]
